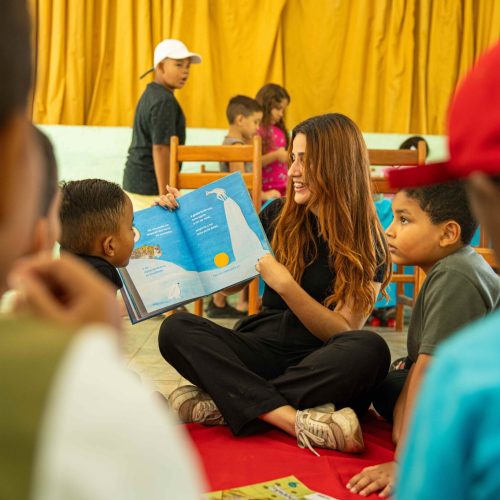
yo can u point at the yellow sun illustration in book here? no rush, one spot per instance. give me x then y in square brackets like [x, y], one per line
[221, 259]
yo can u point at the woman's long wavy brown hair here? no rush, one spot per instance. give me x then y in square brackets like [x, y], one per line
[336, 171]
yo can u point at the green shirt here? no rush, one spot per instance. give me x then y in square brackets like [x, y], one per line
[457, 290]
[30, 352]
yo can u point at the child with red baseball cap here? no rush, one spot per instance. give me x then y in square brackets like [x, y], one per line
[453, 446]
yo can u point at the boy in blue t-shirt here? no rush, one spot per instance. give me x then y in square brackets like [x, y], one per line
[453, 444]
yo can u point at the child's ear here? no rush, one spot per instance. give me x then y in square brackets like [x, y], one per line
[109, 246]
[239, 120]
[161, 66]
[451, 233]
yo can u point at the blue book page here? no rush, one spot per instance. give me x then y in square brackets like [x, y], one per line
[223, 232]
[161, 272]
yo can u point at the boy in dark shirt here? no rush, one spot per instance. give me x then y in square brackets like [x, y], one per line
[96, 225]
[158, 117]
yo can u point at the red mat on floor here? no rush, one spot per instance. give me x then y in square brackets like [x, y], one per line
[231, 461]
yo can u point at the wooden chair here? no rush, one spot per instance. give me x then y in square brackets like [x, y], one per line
[235, 153]
[392, 158]
[486, 251]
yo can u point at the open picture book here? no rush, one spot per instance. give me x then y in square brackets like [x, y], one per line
[211, 242]
[286, 488]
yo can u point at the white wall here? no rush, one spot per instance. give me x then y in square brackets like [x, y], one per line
[100, 152]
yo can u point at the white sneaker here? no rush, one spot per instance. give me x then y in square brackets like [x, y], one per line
[324, 428]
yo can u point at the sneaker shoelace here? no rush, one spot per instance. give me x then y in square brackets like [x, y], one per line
[205, 410]
[318, 433]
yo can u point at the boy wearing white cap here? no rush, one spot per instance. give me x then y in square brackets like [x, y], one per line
[158, 117]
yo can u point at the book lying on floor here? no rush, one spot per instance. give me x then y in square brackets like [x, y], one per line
[288, 488]
[211, 242]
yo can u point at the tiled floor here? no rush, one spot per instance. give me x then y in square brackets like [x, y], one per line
[142, 355]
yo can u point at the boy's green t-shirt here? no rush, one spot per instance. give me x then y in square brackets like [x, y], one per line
[457, 290]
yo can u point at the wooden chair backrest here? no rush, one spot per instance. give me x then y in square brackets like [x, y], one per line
[395, 157]
[237, 153]
[488, 255]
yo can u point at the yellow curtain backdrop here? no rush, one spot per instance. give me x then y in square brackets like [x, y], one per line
[391, 65]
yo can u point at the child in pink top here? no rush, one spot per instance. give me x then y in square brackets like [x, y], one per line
[274, 100]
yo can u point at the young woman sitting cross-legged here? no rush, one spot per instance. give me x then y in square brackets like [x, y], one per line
[303, 364]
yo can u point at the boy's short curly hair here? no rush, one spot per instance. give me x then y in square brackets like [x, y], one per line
[90, 208]
[444, 202]
[241, 105]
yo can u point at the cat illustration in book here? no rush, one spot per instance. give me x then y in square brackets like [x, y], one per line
[147, 252]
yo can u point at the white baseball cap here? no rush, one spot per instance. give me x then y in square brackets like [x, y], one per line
[173, 49]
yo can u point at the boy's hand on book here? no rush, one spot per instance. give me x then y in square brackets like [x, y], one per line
[168, 200]
[65, 291]
[275, 275]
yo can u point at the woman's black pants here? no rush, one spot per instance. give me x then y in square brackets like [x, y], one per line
[249, 373]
